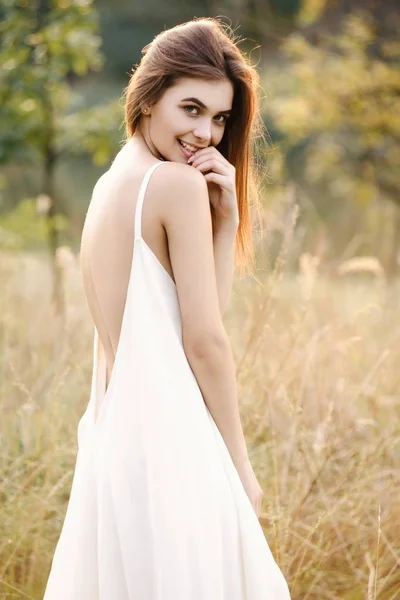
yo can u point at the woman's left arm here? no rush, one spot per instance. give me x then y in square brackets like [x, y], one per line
[224, 255]
[220, 176]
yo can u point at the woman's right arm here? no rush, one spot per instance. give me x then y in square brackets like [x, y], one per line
[187, 220]
[186, 217]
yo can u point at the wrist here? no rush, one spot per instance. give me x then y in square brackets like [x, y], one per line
[227, 228]
[241, 460]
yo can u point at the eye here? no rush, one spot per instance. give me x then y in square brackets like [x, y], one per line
[224, 117]
[188, 109]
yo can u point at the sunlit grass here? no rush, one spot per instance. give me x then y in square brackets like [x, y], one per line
[318, 369]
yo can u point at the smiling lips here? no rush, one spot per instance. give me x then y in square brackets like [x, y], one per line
[190, 147]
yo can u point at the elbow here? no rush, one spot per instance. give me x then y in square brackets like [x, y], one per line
[203, 344]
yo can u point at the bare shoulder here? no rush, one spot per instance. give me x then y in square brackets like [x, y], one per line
[177, 173]
[119, 186]
[176, 179]
[182, 193]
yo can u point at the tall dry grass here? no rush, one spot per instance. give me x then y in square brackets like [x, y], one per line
[318, 369]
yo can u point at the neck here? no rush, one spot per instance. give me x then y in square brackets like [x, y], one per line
[142, 134]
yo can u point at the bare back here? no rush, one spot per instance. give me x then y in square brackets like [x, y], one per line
[107, 243]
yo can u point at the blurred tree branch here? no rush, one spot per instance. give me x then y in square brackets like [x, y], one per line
[44, 46]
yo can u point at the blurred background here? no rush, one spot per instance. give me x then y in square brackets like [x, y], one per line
[315, 331]
[330, 100]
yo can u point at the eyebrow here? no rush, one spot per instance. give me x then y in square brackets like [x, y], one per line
[200, 103]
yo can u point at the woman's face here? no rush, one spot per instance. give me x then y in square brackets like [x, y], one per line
[190, 115]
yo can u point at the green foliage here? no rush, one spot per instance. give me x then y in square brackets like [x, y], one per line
[310, 11]
[342, 111]
[25, 228]
[286, 7]
[42, 51]
[94, 130]
[45, 46]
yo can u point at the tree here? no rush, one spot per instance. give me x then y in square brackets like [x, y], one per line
[341, 116]
[45, 46]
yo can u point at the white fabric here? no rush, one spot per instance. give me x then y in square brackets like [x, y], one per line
[157, 509]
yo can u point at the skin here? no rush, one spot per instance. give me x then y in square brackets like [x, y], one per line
[200, 259]
[172, 118]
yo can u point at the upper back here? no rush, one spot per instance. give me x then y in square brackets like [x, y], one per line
[107, 244]
[176, 225]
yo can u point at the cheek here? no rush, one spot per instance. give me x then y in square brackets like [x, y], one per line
[174, 123]
[161, 128]
[182, 122]
[218, 136]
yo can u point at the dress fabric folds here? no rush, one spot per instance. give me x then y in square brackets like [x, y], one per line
[157, 510]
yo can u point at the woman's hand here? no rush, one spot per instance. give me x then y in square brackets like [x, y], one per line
[220, 176]
[251, 485]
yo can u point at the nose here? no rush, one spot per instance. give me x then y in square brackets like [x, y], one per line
[203, 130]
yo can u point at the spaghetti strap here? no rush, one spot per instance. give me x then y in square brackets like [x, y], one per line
[139, 204]
[100, 365]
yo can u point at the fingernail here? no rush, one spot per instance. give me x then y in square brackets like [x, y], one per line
[190, 159]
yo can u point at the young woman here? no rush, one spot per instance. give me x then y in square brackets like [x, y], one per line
[164, 501]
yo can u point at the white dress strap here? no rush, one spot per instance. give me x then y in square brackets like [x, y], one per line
[139, 204]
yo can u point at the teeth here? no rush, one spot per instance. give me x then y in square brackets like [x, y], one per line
[188, 147]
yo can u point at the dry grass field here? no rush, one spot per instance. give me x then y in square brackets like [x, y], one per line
[318, 370]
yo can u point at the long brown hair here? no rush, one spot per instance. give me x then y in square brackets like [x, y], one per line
[207, 48]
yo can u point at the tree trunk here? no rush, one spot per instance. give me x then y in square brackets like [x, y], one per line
[49, 163]
[57, 297]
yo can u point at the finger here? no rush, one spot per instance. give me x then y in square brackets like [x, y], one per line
[199, 158]
[212, 165]
[210, 150]
[216, 178]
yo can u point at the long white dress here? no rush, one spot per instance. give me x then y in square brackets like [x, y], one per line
[157, 510]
